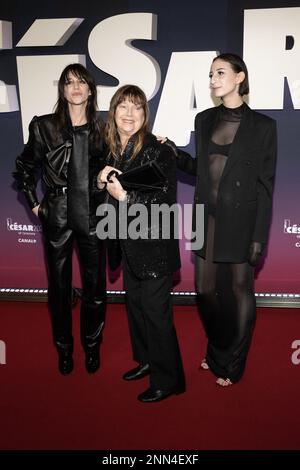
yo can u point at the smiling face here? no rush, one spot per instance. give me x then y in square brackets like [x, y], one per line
[224, 81]
[129, 118]
[76, 90]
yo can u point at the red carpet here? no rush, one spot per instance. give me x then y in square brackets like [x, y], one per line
[41, 409]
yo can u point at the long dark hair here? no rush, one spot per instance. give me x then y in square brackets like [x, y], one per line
[237, 65]
[134, 94]
[61, 109]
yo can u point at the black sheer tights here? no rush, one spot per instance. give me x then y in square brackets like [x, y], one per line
[227, 307]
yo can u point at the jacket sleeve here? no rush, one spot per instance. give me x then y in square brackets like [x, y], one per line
[29, 163]
[265, 185]
[98, 152]
[185, 162]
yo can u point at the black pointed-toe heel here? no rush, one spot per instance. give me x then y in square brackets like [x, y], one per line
[138, 372]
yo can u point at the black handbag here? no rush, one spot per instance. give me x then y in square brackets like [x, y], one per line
[148, 177]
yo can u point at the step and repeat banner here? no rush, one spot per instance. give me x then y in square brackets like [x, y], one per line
[165, 47]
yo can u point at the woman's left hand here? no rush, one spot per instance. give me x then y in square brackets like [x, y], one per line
[255, 252]
[102, 175]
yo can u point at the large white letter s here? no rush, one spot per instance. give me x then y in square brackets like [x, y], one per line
[111, 50]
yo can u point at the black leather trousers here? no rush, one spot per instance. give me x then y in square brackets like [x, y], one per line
[59, 243]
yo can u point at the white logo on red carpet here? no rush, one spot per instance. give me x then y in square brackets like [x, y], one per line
[2, 352]
[295, 357]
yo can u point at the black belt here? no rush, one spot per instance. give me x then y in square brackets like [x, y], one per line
[58, 191]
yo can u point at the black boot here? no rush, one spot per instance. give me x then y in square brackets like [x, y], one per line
[92, 359]
[65, 362]
[91, 345]
[65, 358]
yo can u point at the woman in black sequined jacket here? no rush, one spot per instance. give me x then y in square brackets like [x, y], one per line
[67, 148]
[149, 258]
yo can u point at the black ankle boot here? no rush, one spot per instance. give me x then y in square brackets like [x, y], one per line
[92, 360]
[65, 362]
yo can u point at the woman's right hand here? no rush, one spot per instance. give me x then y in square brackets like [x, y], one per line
[161, 139]
[102, 175]
[35, 210]
[170, 143]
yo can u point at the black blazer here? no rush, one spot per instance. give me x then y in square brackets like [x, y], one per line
[159, 256]
[244, 206]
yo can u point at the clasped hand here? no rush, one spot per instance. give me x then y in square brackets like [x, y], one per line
[114, 187]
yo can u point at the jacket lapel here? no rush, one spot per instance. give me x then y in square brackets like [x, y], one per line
[207, 126]
[206, 131]
[242, 140]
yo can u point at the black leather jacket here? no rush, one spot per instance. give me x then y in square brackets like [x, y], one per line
[48, 150]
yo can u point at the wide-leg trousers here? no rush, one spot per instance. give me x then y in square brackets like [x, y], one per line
[153, 336]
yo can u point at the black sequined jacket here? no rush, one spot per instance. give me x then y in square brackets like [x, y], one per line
[156, 252]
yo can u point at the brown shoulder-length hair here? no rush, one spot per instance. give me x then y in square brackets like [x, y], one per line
[237, 65]
[61, 109]
[134, 94]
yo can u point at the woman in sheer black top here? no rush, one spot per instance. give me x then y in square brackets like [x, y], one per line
[235, 167]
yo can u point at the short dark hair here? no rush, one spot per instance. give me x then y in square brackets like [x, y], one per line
[238, 65]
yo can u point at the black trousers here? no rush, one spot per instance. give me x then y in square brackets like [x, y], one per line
[153, 336]
[59, 242]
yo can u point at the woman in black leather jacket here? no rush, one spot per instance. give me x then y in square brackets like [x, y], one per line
[66, 147]
[149, 258]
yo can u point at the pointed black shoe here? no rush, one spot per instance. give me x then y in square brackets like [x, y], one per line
[92, 361]
[138, 372]
[65, 362]
[152, 396]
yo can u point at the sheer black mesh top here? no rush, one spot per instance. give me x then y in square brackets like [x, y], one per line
[227, 124]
